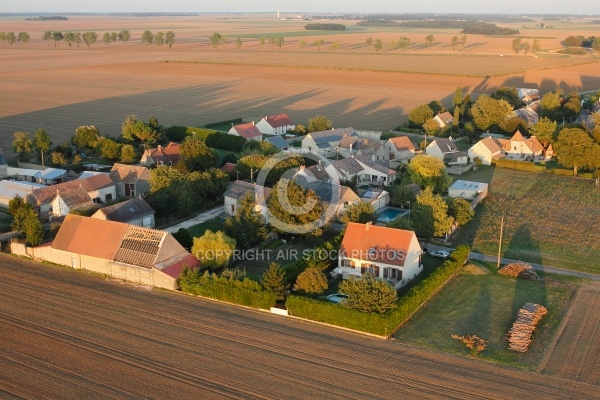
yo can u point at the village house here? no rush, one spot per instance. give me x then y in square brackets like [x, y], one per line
[487, 150]
[528, 95]
[278, 142]
[275, 124]
[132, 253]
[390, 254]
[239, 189]
[325, 142]
[167, 155]
[373, 149]
[130, 180]
[447, 151]
[134, 211]
[10, 189]
[248, 131]
[364, 170]
[70, 200]
[100, 188]
[400, 149]
[515, 148]
[527, 114]
[443, 120]
[333, 195]
[377, 197]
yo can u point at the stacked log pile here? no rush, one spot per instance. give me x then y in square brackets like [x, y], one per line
[519, 270]
[519, 336]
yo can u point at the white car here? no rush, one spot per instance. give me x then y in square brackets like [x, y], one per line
[439, 254]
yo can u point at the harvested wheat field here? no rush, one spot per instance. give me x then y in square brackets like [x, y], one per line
[61, 88]
[99, 339]
[576, 354]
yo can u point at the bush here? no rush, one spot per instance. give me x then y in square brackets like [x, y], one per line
[176, 133]
[380, 324]
[224, 141]
[245, 292]
[519, 165]
[325, 27]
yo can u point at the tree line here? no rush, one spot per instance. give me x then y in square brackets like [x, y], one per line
[11, 38]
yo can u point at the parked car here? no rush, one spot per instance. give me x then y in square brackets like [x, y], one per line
[337, 298]
[439, 254]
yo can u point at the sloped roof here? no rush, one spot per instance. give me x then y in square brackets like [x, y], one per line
[128, 173]
[279, 120]
[51, 173]
[532, 143]
[326, 191]
[348, 142]
[140, 246]
[492, 144]
[445, 145]
[376, 243]
[517, 137]
[278, 142]
[127, 210]
[166, 154]
[9, 189]
[76, 235]
[445, 117]
[75, 197]
[347, 166]
[384, 169]
[332, 135]
[402, 143]
[229, 168]
[46, 194]
[247, 131]
[239, 189]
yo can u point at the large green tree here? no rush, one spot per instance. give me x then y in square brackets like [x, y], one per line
[159, 38]
[10, 37]
[42, 142]
[429, 171]
[170, 38]
[213, 249]
[124, 36]
[109, 149]
[292, 209]
[247, 226]
[216, 39]
[147, 38]
[516, 45]
[442, 222]
[575, 149]
[196, 155]
[319, 123]
[368, 294]
[89, 38]
[26, 221]
[273, 280]
[429, 39]
[361, 212]
[544, 130]
[419, 115]
[550, 104]
[86, 137]
[460, 210]
[509, 94]
[22, 145]
[23, 38]
[311, 281]
[488, 112]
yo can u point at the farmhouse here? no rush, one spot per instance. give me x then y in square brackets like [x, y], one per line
[10, 189]
[400, 149]
[275, 124]
[321, 172]
[132, 253]
[373, 149]
[487, 149]
[468, 190]
[443, 120]
[100, 188]
[239, 189]
[134, 211]
[130, 180]
[167, 155]
[519, 148]
[387, 253]
[446, 150]
[71, 200]
[248, 131]
[325, 142]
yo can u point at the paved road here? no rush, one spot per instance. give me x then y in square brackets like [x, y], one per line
[205, 216]
[72, 335]
[539, 267]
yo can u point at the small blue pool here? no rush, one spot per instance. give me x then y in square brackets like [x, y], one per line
[390, 214]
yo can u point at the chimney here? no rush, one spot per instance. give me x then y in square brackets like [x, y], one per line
[368, 225]
[159, 147]
[450, 138]
[252, 122]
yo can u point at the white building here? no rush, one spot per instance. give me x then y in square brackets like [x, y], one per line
[248, 131]
[325, 142]
[467, 189]
[239, 189]
[447, 151]
[275, 124]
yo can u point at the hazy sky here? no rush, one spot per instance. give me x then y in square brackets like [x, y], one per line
[307, 6]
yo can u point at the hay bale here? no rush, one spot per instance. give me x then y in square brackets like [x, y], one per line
[520, 270]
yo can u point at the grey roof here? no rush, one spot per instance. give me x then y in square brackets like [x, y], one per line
[75, 197]
[454, 155]
[9, 189]
[278, 142]
[347, 166]
[332, 135]
[384, 169]
[239, 189]
[51, 173]
[129, 173]
[127, 210]
[445, 145]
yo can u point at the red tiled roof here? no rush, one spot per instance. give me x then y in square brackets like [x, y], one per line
[361, 239]
[128, 173]
[229, 168]
[174, 268]
[279, 120]
[247, 131]
[402, 143]
[166, 154]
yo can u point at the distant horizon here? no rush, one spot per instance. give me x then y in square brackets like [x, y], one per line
[509, 7]
[285, 13]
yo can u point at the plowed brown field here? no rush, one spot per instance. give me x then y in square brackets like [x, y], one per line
[66, 334]
[61, 89]
[576, 354]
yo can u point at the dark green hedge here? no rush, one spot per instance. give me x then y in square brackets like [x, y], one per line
[378, 324]
[520, 165]
[245, 292]
[224, 141]
[227, 122]
[324, 27]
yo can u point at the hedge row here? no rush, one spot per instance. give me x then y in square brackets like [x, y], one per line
[519, 165]
[224, 141]
[245, 292]
[378, 324]
[324, 27]
[227, 122]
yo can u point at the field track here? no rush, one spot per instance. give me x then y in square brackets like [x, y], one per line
[577, 352]
[67, 334]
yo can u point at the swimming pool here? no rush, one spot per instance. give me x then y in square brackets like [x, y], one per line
[390, 214]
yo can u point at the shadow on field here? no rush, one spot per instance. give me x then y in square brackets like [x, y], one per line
[200, 104]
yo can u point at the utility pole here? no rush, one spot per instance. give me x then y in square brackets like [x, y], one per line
[500, 244]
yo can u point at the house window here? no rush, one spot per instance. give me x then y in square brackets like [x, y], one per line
[130, 189]
[348, 263]
[392, 273]
[108, 197]
[370, 269]
[97, 200]
[233, 208]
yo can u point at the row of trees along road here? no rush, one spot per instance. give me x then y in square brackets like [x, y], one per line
[11, 38]
[89, 38]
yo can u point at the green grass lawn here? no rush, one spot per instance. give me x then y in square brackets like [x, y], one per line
[481, 302]
[549, 219]
[215, 224]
